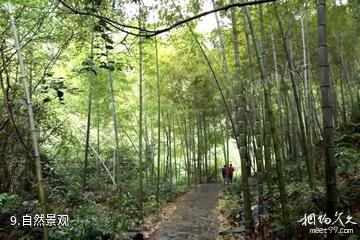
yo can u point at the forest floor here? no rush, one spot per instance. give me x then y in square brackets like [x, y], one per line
[195, 216]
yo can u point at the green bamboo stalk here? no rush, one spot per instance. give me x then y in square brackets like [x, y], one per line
[158, 124]
[32, 128]
[88, 125]
[140, 168]
[327, 111]
[241, 128]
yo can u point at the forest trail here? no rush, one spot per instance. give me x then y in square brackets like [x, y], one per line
[194, 217]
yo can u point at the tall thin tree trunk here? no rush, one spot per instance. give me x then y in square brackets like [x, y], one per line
[215, 153]
[165, 155]
[199, 149]
[5, 180]
[88, 126]
[32, 129]
[169, 148]
[228, 90]
[267, 143]
[333, 92]
[227, 146]
[223, 144]
[241, 128]
[307, 83]
[258, 150]
[343, 103]
[158, 124]
[174, 150]
[327, 111]
[192, 147]
[188, 164]
[115, 123]
[98, 129]
[206, 170]
[140, 168]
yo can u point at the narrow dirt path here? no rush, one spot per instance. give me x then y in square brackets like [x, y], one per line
[194, 217]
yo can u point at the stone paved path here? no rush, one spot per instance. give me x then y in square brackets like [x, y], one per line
[194, 217]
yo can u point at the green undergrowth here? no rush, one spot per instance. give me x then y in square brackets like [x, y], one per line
[102, 212]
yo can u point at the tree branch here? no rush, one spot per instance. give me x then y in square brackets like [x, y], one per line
[151, 33]
[53, 60]
[113, 23]
[224, 8]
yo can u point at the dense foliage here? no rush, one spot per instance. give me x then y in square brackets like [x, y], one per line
[133, 106]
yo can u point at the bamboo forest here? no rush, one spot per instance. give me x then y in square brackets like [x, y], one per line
[179, 119]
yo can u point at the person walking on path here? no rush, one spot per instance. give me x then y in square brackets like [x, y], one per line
[224, 173]
[230, 172]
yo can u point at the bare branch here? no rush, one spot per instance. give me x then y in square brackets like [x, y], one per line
[224, 8]
[106, 19]
[151, 33]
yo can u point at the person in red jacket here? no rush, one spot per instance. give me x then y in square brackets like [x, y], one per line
[231, 170]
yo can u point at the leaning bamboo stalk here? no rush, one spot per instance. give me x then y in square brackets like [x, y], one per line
[228, 90]
[32, 129]
[96, 155]
[114, 117]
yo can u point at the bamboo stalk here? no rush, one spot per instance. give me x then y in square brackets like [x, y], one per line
[32, 128]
